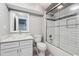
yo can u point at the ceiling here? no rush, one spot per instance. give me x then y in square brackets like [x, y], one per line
[44, 5]
[54, 10]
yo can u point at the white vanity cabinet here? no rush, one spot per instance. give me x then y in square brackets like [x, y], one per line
[10, 52]
[19, 48]
[26, 48]
[9, 49]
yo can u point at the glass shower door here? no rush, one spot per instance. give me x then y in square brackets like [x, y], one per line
[53, 30]
[63, 30]
[50, 31]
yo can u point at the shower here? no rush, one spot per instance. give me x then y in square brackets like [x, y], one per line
[62, 27]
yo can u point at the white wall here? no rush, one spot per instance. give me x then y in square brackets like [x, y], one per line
[31, 6]
[4, 19]
[35, 21]
[44, 26]
[36, 24]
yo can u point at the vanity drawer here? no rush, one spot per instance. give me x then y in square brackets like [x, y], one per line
[10, 52]
[27, 42]
[9, 45]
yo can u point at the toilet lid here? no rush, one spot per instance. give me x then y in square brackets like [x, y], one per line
[40, 44]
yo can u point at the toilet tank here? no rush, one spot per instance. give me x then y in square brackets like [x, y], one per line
[37, 38]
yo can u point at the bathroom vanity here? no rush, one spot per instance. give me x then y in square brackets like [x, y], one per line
[17, 46]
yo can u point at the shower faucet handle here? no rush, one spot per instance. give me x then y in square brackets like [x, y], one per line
[50, 36]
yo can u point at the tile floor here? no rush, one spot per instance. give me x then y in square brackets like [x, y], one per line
[47, 53]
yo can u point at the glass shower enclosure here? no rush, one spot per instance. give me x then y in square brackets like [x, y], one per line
[62, 27]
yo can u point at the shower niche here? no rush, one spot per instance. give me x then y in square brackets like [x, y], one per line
[19, 21]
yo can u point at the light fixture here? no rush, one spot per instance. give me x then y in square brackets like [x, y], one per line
[74, 7]
[60, 7]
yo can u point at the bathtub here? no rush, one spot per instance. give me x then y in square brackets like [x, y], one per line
[56, 51]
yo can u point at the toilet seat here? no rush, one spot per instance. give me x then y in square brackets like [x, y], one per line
[41, 46]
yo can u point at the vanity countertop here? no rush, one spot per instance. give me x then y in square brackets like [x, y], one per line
[16, 38]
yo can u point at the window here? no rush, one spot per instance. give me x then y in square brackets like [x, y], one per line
[19, 21]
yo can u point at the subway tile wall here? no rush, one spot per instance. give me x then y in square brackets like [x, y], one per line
[65, 33]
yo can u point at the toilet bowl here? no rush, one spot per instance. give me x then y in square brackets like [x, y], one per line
[42, 48]
[40, 45]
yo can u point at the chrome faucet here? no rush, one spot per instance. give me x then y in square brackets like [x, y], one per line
[50, 36]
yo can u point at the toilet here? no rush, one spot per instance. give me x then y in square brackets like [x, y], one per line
[40, 45]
